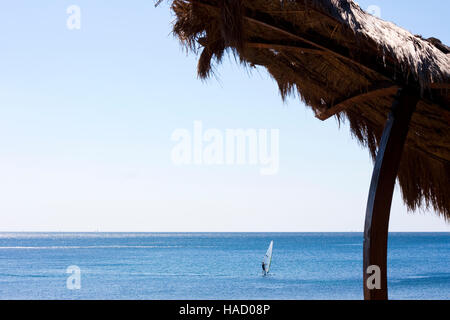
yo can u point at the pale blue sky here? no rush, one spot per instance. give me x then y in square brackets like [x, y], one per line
[86, 118]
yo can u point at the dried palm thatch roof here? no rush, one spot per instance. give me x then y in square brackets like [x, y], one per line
[342, 62]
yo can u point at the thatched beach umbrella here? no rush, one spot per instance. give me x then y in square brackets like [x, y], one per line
[393, 88]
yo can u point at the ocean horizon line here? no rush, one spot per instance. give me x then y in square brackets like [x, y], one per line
[214, 232]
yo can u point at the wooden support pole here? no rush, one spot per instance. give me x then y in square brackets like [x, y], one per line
[380, 194]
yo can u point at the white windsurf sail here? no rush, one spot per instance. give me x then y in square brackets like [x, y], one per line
[268, 258]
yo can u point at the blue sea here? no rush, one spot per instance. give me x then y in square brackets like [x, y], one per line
[216, 265]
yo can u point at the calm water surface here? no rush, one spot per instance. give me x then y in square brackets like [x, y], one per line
[216, 265]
